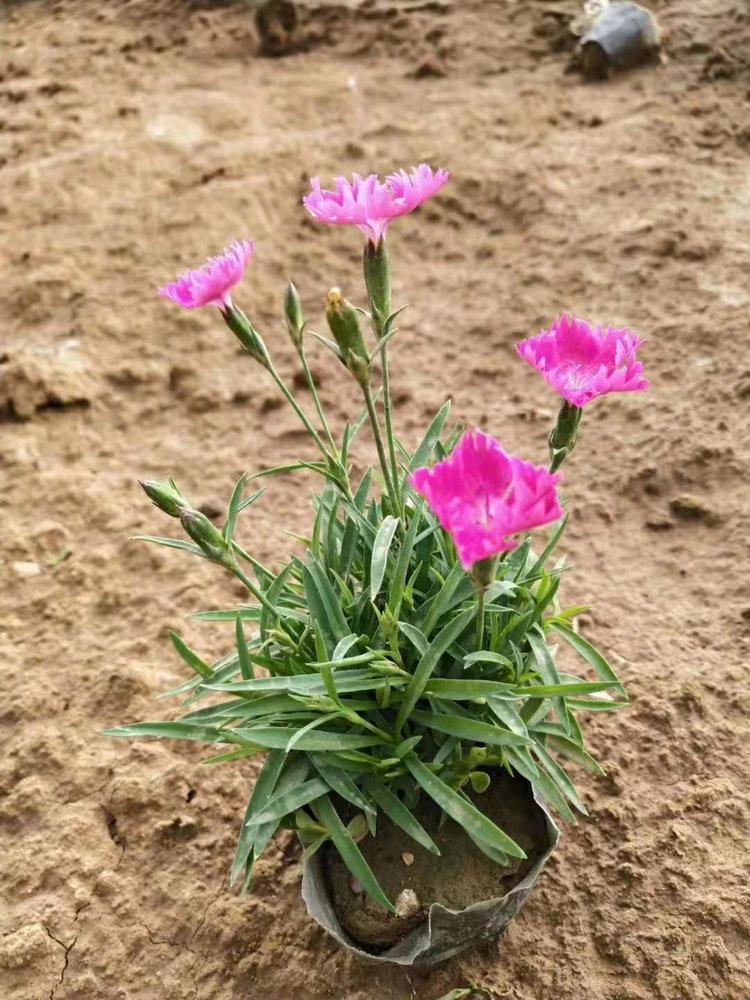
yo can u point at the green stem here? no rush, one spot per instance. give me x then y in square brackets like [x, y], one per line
[480, 616]
[316, 400]
[244, 554]
[388, 412]
[255, 591]
[377, 434]
[296, 407]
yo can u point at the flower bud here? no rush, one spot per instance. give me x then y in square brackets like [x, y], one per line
[245, 332]
[205, 535]
[563, 437]
[483, 572]
[165, 496]
[343, 322]
[378, 280]
[295, 321]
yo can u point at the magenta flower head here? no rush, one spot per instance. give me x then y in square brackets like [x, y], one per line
[582, 363]
[371, 204]
[211, 284]
[482, 495]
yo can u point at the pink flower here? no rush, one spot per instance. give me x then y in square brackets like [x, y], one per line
[211, 284]
[481, 495]
[371, 204]
[581, 363]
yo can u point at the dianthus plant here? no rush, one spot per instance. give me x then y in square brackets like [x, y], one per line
[411, 650]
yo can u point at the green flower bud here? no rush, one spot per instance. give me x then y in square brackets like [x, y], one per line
[205, 535]
[483, 572]
[245, 332]
[343, 322]
[562, 440]
[165, 496]
[295, 321]
[378, 281]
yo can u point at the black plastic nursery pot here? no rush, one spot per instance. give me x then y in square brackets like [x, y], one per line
[468, 898]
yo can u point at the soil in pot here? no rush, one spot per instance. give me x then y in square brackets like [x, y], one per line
[413, 878]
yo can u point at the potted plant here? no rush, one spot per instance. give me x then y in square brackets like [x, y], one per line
[399, 679]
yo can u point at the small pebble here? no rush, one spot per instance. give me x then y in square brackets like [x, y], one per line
[407, 903]
[26, 568]
[212, 507]
[407, 858]
[687, 507]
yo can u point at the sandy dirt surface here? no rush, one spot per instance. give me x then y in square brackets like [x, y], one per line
[136, 138]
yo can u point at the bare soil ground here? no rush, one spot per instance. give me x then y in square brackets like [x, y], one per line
[137, 137]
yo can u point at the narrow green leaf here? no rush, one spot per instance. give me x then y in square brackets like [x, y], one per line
[380, 549]
[340, 782]
[415, 636]
[350, 680]
[488, 656]
[470, 729]
[288, 802]
[172, 731]
[301, 733]
[575, 753]
[423, 452]
[246, 667]
[545, 667]
[560, 778]
[543, 784]
[279, 737]
[350, 853]
[172, 543]
[437, 648]
[590, 654]
[398, 813]
[234, 507]
[262, 790]
[550, 546]
[462, 811]
[440, 602]
[190, 656]
[508, 715]
[554, 690]
[458, 690]
[398, 581]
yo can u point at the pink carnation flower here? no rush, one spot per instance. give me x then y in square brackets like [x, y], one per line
[371, 204]
[581, 363]
[211, 284]
[481, 495]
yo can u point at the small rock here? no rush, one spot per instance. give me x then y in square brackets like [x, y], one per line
[49, 538]
[176, 830]
[407, 858]
[407, 904]
[26, 568]
[212, 507]
[688, 507]
[429, 68]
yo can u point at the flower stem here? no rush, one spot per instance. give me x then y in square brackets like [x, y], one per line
[388, 412]
[316, 400]
[480, 616]
[255, 591]
[296, 407]
[244, 554]
[377, 434]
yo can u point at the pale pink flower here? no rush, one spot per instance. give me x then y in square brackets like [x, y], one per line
[211, 284]
[582, 363]
[481, 495]
[371, 204]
